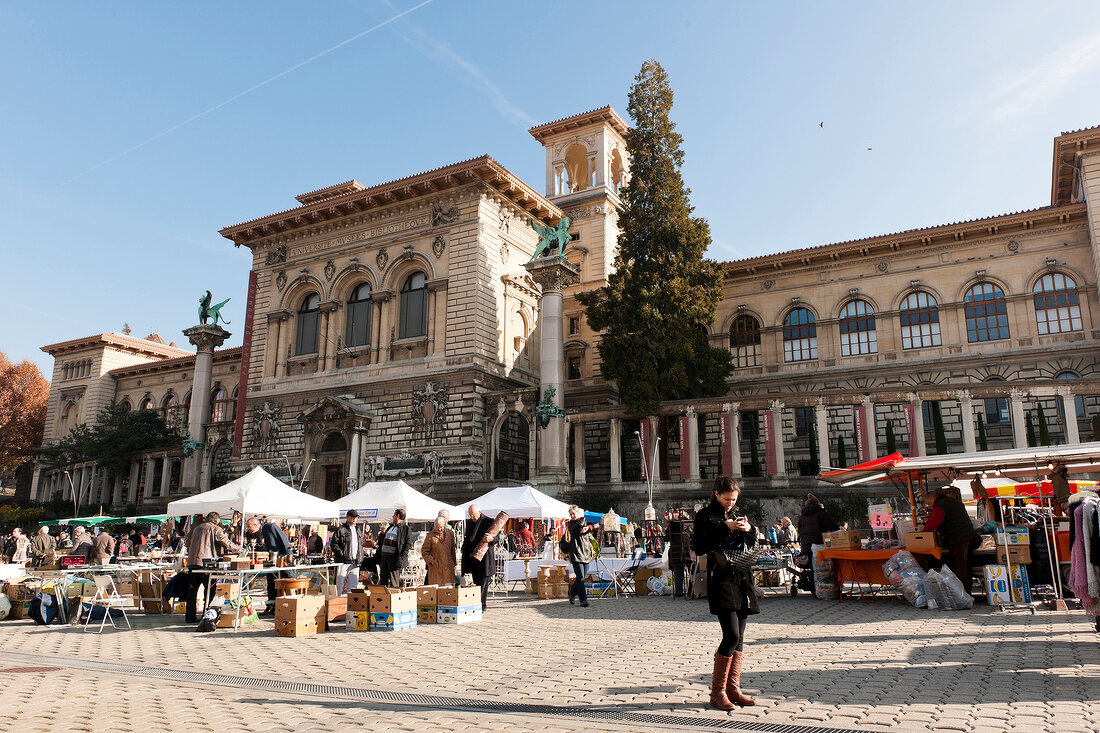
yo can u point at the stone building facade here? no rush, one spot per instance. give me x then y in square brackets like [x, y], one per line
[392, 332]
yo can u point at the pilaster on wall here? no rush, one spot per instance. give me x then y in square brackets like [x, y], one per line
[1089, 165]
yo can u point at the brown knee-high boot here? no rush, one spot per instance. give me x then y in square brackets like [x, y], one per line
[733, 683]
[718, 682]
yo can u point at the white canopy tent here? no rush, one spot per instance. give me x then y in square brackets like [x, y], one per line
[377, 500]
[521, 502]
[256, 493]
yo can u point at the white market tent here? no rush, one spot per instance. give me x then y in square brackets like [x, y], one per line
[521, 502]
[256, 493]
[376, 501]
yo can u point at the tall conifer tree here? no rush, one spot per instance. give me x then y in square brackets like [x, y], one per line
[657, 308]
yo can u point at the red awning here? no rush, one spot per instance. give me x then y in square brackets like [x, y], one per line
[875, 470]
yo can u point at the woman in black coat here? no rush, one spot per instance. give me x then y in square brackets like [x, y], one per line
[731, 594]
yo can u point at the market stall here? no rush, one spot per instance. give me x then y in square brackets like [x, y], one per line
[376, 502]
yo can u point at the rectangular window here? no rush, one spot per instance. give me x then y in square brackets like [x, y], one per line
[308, 325]
[414, 312]
[574, 325]
[996, 411]
[574, 367]
[803, 418]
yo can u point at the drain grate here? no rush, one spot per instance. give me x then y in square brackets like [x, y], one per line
[431, 701]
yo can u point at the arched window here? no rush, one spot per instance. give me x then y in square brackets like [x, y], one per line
[309, 322]
[986, 313]
[147, 403]
[414, 307]
[857, 329]
[334, 443]
[125, 407]
[745, 341]
[799, 336]
[1078, 400]
[1057, 308]
[920, 321]
[359, 306]
[222, 406]
[170, 408]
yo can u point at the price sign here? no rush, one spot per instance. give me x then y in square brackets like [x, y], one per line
[879, 515]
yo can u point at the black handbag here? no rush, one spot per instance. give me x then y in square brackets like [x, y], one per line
[737, 554]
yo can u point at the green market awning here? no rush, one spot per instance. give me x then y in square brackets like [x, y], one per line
[85, 521]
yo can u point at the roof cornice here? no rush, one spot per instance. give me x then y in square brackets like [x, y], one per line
[482, 169]
[1066, 147]
[222, 355]
[1004, 224]
[603, 114]
[129, 343]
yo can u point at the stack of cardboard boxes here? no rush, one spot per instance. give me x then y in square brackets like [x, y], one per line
[21, 594]
[299, 615]
[1013, 549]
[458, 605]
[426, 604]
[392, 609]
[358, 613]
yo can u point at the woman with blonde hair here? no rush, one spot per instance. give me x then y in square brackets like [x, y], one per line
[438, 552]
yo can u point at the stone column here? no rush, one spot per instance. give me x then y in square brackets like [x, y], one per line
[579, 465]
[147, 485]
[966, 407]
[918, 425]
[872, 428]
[735, 437]
[693, 443]
[821, 425]
[165, 475]
[205, 339]
[1016, 406]
[135, 476]
[780, 453]
[355, 458]
[614, 432]
[1069, 409]
[553, 274]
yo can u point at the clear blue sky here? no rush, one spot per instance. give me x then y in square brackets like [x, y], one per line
[133, 131]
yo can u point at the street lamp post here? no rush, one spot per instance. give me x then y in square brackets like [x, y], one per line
[650, 511]
[76, 496]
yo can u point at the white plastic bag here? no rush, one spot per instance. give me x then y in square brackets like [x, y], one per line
[824, 575]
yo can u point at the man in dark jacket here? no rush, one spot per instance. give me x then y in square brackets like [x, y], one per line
[680, 541]
[393, 550]
[347, 549]
[814, 523]
[269, 538]
[948, 517]
[480, 570]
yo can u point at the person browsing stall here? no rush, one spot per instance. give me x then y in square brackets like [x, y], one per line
[206, 542]
[269, 537]
[477, 526]
[947, 516]
[347, 550]
[438, 552]
[731, 593]
[103, 548]
[393, 551]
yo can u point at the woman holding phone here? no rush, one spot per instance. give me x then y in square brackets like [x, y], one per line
[730, 593]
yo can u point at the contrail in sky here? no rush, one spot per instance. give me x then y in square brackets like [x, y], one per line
[251, 89]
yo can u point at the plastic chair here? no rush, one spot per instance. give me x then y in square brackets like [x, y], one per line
[106, 595]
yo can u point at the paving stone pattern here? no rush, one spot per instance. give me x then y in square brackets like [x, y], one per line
[875, 665]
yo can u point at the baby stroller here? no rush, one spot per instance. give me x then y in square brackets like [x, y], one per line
[802, 574]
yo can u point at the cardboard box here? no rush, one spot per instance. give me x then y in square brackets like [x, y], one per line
[426, 614]
[297, 609]
[228, 591]
[842, 540]
[1014, 554]
[1013, 536]
[357, 621]
[151, 599]
[292, 627]
[458, 596]
[336, 608]
[395, 621]
[997, 585]
[425, 595]
[458, 614]
[22, 591]
[18, 610]
[240, 563]
[359, 600]
[392, 600]
[921, 541]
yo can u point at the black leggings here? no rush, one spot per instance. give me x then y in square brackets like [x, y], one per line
[733, 631]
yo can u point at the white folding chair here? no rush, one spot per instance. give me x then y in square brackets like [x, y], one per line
[106, 595]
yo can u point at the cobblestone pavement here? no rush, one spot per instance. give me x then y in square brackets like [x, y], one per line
[530, 665]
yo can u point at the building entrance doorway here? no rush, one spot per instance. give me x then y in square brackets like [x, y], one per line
[334, 482]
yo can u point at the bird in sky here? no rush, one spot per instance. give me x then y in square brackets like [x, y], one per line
[868, 147]
[821, 125]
